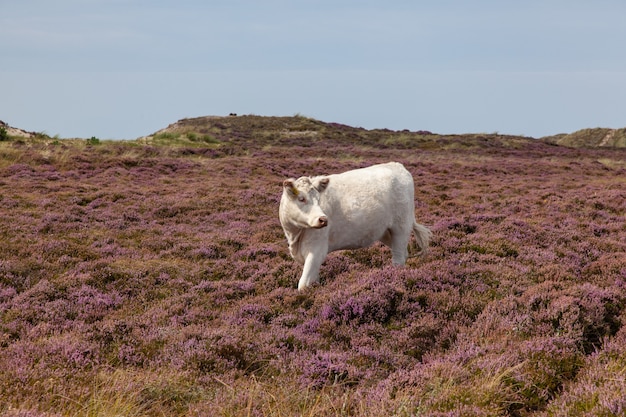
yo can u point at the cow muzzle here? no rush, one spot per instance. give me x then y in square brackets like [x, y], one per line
[322, 221]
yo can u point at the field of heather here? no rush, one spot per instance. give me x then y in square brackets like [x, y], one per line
[152, 278]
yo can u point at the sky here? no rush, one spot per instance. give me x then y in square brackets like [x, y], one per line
[122, 69]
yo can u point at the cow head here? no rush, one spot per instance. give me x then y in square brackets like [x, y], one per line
[301, 200]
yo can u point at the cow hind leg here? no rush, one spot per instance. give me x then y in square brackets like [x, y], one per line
[398, 241]
[386, 239]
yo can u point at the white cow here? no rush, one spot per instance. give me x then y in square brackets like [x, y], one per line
[348, 211]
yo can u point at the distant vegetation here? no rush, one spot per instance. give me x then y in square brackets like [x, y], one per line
[151, 278]
[591, 138]
[187, 138]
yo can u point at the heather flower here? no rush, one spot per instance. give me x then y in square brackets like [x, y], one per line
[324, 369]
[160, 270]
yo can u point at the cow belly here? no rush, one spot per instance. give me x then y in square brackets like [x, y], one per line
[357, 236]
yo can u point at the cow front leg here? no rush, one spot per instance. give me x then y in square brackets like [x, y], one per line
[311, 270]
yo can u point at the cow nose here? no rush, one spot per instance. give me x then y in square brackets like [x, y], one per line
[323, 221]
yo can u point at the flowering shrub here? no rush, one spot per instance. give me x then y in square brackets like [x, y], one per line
[153, 278]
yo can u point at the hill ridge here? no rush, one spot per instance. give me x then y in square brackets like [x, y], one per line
[16, 132]
[301, 131]
[598, 137]
[292, 125]
[298, 126]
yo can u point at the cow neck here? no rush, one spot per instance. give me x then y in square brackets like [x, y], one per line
[293, 234]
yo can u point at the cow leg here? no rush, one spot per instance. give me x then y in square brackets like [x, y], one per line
[311, 270]
[386, 239]
[399, 246]
[393, 240]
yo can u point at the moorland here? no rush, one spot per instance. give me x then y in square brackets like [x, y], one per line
[151, 277]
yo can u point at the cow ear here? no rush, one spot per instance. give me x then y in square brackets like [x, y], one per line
[321, 183]
[290, 187]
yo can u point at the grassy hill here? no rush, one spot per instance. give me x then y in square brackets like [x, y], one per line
[152, 277]
[262, 131]
[591, 138]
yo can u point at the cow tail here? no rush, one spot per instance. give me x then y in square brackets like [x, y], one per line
[422, 239]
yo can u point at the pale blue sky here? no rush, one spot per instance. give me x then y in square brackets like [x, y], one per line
[126, 68]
